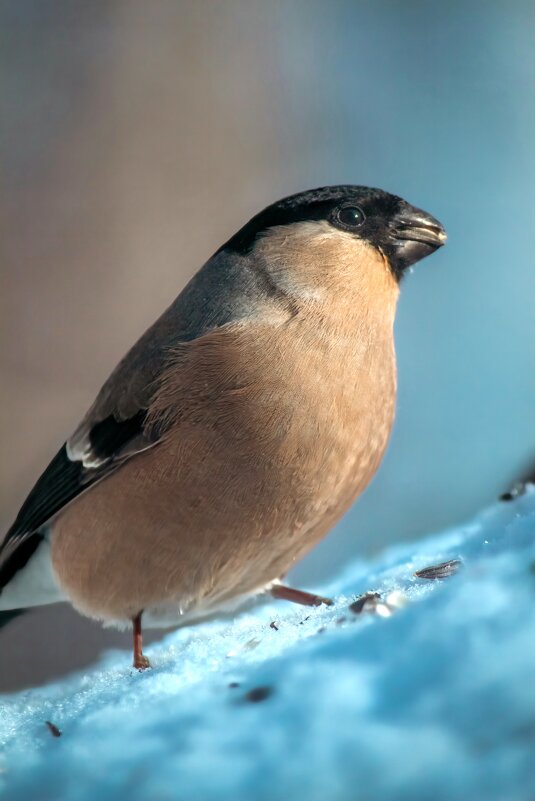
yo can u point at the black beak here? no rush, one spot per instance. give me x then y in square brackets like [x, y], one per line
[417, 226]
[414, 234]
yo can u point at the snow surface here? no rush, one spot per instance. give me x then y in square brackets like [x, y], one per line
[432, 696]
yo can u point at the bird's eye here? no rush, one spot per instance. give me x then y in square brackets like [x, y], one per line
[350, 216]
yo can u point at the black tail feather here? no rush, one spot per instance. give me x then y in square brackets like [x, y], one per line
[7, 616]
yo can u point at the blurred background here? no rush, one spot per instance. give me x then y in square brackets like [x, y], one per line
[136, 137]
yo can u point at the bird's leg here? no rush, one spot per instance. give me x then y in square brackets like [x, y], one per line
[299, 596]
[141, 662]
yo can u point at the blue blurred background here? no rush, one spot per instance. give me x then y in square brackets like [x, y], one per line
[136, 137]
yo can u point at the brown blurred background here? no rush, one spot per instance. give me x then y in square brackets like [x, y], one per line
[136, 136]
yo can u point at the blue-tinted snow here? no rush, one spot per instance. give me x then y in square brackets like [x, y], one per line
[435, 701]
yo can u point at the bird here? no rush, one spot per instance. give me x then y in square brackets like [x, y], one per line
[237, 430]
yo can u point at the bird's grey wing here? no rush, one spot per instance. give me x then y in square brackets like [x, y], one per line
[114, 429]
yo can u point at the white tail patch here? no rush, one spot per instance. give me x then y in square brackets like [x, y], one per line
[34, 585]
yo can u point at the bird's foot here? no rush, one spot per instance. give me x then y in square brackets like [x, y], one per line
[299, 596]
[141, 662]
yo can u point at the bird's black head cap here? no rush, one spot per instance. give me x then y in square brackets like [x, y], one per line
[402, 232]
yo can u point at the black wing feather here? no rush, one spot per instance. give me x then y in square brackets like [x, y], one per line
[110, 435]
[17, 557]
[61, 482]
